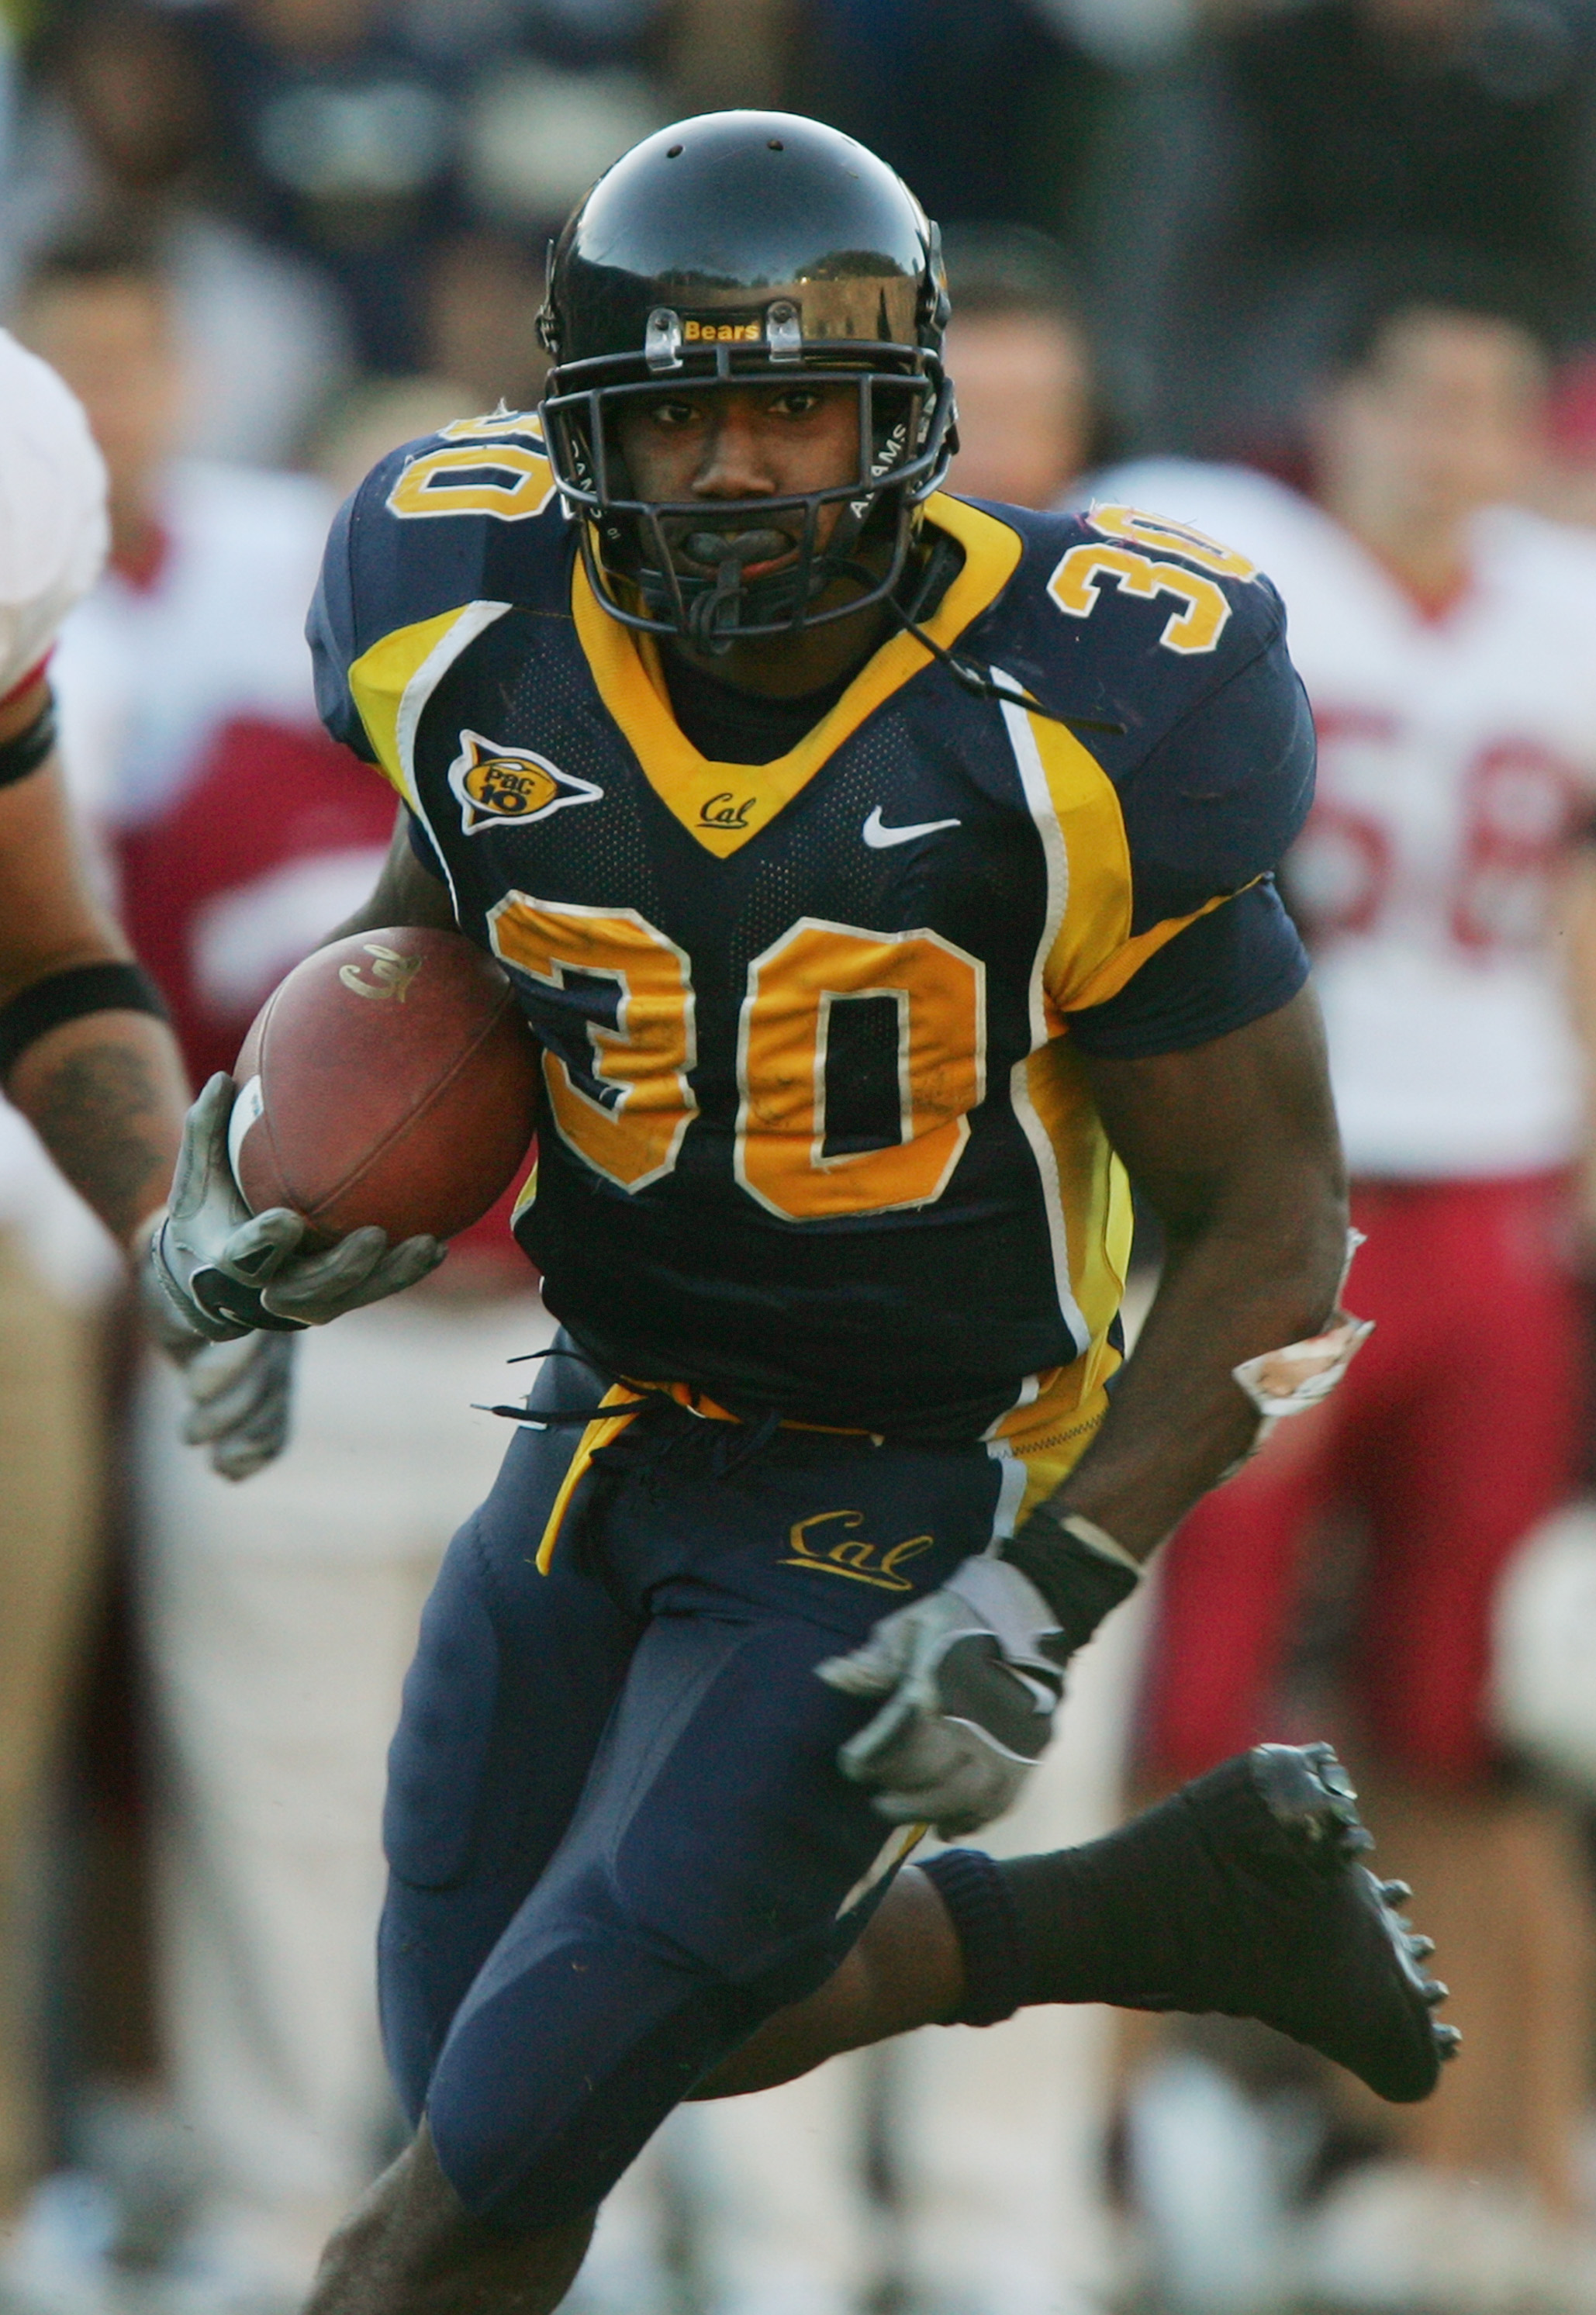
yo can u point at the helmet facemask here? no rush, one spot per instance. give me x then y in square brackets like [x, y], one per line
[678, 568]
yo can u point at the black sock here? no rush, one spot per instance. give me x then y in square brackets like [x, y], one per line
[970, 1885]
[1114, 1920]
[1095, 1923]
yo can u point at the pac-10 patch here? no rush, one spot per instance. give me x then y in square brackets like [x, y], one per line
[495, 785]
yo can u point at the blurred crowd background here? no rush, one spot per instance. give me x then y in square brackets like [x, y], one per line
[265, 241]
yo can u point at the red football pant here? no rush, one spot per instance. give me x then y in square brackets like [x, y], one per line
[1453, 1432]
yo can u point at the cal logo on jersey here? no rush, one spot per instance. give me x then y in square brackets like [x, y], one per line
[495, 784]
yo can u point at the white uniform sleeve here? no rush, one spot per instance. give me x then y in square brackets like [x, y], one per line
[53, 531]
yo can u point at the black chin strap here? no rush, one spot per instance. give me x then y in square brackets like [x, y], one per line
[934, 579]
[712, 613]
[711, 622]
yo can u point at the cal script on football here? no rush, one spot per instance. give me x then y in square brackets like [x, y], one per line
[390, 1080]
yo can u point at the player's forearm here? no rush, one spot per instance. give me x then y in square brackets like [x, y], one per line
[83, 1053]
[1235, 1145]
[106, 1094]
[1241, 1286]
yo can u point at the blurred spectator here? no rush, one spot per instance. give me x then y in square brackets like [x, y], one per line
[988, 112]
[279, 1617]
[1031, 417]
[731, 52]
[1444, 639]
[483, 298]
[343, 146]
[540, 132]
[1565, 488]
[416, 156]
[120, 126]
[1252, 185]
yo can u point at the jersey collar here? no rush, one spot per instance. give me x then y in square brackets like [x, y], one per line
[723, 806]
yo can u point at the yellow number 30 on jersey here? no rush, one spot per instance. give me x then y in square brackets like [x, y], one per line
[632, 1131]
[1200, 612]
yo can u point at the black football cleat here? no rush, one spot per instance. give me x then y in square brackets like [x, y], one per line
[1242, 1894]
[1288, 1926]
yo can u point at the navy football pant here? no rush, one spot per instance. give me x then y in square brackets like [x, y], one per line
[617, 1835]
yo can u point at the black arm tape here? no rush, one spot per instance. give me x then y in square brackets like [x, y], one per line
[1080, 1586]
[44, 1005]
[27, 749]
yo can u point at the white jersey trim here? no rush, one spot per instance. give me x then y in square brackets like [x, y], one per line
[1039, 798]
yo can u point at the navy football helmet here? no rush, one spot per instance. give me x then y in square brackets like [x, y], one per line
[737, 249]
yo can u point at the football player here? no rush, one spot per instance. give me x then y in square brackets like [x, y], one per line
[83, 1051]
[1443, 633]
[882, 875]
[87, 1057]
[86, 1052]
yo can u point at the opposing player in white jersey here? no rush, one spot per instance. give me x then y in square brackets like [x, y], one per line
[88, 1063]
[1445, 638]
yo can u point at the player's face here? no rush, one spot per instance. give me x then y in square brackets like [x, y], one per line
[1024, 401]
[111, 342]
[743, 442]
[1445, 418]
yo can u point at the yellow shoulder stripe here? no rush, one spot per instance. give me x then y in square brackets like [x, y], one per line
[391, 683]
[1098, 902]
[1094, 954]
[1127, 961]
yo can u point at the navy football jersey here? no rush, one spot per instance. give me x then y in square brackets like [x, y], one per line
[816, 1135]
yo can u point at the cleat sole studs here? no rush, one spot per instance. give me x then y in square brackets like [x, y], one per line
[1395, 1892]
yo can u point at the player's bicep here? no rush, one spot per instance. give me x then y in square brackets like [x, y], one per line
[1232, 966]
[405, 893]
[1239, 1132]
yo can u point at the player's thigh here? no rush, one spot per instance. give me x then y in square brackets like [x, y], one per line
[515, 1675]
[1484, 1449]
[720, 1865]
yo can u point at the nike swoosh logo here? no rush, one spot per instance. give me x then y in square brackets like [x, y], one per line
[878, 837]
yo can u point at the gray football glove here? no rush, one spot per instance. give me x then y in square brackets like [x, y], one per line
[239, 1392]
[240, 1399]
[971, 1689]
[221, 1271]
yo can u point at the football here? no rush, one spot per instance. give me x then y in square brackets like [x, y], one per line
[389, 1079]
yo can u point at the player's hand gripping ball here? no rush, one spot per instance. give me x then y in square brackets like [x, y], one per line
[387, 1098]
